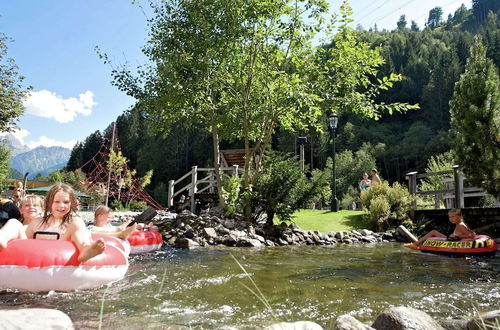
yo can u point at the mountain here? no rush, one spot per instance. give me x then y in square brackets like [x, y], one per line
[15, 144]
[43, 160]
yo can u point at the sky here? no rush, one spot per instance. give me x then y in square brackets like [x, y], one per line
[53, 44]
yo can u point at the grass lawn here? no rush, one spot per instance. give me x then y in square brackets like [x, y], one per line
[325, 221]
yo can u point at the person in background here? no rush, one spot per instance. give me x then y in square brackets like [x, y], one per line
[375, 178]
[8, 210]
[31, 209]
[365, 183]
[102, 224]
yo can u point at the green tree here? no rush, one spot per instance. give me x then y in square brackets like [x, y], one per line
[435, 17]
[475, 119]
[12, 91]
[401, 24]
[5, 154]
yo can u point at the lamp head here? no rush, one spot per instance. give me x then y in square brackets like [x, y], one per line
[333, 120]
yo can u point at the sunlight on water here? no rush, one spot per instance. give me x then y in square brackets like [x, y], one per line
[205, 288]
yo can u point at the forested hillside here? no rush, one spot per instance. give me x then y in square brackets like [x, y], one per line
[430, 58]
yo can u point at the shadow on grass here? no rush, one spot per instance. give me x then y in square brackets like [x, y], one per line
[355, 221]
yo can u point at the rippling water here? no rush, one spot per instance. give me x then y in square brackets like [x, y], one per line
[205, 288]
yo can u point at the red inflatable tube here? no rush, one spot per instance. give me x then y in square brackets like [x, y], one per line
[44, 265]
[479, 245]
[145, 241]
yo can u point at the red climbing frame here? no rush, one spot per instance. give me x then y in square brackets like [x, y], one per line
[97, 175]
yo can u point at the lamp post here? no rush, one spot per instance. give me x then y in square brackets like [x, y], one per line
[333, 121]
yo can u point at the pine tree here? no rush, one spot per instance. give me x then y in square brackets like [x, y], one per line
[475, 119]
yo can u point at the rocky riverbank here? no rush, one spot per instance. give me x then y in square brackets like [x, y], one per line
[188, 230]
[394, 318]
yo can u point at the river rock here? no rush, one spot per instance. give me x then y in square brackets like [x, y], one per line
[301, 325]
[246, 241]
[186, 243]
[405, 318]
[365, 232]
[347, 322]
[210, 232]
[34, 318]
[485, 321]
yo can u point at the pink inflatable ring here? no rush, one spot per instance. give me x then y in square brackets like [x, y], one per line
[39, 265]
[145, 241]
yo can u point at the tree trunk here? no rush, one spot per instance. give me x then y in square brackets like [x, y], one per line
[215, 138]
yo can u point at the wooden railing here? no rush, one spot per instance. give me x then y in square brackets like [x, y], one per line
[455, 193]
[207, 183]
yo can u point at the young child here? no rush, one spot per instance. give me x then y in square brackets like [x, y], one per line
[31, 208]
[102, 224]
[461, 230]
[60, 217]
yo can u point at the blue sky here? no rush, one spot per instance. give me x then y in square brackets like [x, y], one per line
[53, 45]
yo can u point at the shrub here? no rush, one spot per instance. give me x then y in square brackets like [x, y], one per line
[351, 196]
[282, 188]
[231, 186]
[137, 205]
[386, 206]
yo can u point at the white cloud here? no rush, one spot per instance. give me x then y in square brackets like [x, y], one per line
[47, 104]
[20, 134]
[48, 142]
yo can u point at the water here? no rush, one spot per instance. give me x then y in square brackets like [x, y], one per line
[205, 288]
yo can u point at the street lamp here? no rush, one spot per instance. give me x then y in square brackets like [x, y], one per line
[333, 121]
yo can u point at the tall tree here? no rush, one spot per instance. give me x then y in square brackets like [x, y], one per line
[12, 91]
[475, 119]
[435, 17]
[5, 153]
[401, 24]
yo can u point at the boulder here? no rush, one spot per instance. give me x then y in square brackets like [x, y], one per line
[405, 318]
[347, 322]
[484, 321]
[34, 318]
[365, 232]
[300, 325]
[221, 229]
[186, 243]
[229, 224]
[245, 241]
[210, 232]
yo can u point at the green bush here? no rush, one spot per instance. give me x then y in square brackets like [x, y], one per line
[386, 206]
[137, 205]
[282, 188]
[352, 195]
[231, 186]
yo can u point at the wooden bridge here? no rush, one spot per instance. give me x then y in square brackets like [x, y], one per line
[200, 184]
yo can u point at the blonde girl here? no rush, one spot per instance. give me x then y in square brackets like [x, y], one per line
[103, 226]
[31, 208]
[60, 217]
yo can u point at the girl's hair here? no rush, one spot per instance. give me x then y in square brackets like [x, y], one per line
[102, 209]
[35, 199]
[457, 211]
[49, 199]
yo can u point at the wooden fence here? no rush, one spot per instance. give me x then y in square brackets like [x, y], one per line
[454, 194]
[195, 185]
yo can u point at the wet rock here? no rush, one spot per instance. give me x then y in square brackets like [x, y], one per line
[347, 322]
[405, 318]
[171, 241]
[485, 321]
[340, 235]
[189, 233]
[34, 318]
[270, 243]
[186, 243]
[301, 325]
[250, 242]
[210, 232]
